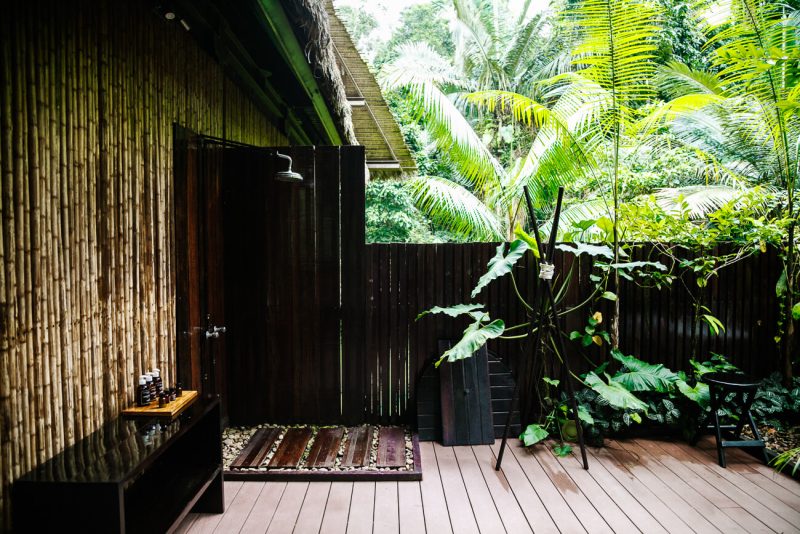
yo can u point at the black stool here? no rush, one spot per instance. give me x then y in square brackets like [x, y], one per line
[744, 389]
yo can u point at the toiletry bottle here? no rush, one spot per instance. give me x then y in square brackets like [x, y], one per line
[151, 385]
[157, 381]
[179, 390]
[142, 393]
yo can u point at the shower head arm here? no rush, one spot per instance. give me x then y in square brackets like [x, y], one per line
[287, 158]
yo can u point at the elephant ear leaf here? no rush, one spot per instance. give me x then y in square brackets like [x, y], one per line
[615, 394]
[475, 336]
[698, 393]
[533, 434]
[643, 376]
[454, 311]
[529, 240]
[501, 264]
[585, 248]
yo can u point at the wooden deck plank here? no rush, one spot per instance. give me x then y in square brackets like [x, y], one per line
[325, 448]
[535, 512]
[766, 508]
[478, 492]
[206, 523]
[257, 448]
[558, 508]
[634, 510]
[310, 518]
[412, 517]
[692, 497]
[778, 484]
[507, 506]
[739, 477]
[264, 508]
[334, 521]
[778, 491]
[362, 506]
[637, 465]
[738, 495]
[691, 477]
[386, 518]
[236, 514]
[589, 517]
[432, 493]
[288, 508]
[666, 517]
[462, 518]
[644, 485]
[612, 514]
[391, 447]
[749, 523]
[356, 449]
[291, 448]
[773, 477]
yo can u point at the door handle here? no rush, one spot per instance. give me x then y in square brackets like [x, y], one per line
[215, 331]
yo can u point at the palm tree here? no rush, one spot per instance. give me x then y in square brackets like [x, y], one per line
[746, 115]
[493, 50]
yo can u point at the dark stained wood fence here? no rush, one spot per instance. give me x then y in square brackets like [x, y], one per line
[405, 279]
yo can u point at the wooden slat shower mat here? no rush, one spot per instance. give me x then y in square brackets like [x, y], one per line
[301, 455]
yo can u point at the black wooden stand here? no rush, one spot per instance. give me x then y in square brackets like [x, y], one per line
[545, 285]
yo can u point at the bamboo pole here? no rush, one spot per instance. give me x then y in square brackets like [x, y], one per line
[10, 433]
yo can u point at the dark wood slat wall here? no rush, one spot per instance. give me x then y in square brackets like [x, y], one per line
[405, 279]
[87, 279]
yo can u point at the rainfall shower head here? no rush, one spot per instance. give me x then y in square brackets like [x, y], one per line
[287, 175]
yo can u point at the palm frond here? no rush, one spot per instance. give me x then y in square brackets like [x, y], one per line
[676, 80]
[618, 43]
[455, 208]
[700, 200]
[452, 131]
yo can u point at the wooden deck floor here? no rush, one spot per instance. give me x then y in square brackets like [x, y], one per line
[636, 485]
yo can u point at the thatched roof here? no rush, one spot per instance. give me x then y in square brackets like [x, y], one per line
[375, 126]
[311, 18]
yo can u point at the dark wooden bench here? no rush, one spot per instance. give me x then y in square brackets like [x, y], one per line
[128, 476]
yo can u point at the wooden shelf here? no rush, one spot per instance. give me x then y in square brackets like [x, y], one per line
[170, 411]
[129, 476]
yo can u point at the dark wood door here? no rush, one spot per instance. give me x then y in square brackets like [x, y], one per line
[200, 287]
[280, 266]
[294, 254]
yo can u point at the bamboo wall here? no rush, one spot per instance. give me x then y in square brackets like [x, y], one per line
[88, 100]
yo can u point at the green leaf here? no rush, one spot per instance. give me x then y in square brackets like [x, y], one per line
[552, 382]
[796, 311]
[714, 324]
[562, 449]
[643, 376]
[575, 335]
[501, 264]
[610, 295]
[584, 415]
[455, 311]
[636, 417]
[606, 225]
[614, 393]
[629, 266]
[698, 394]
[533, 434]
[529, 240]
[475, 336]
[781, 287]
[591, 250]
